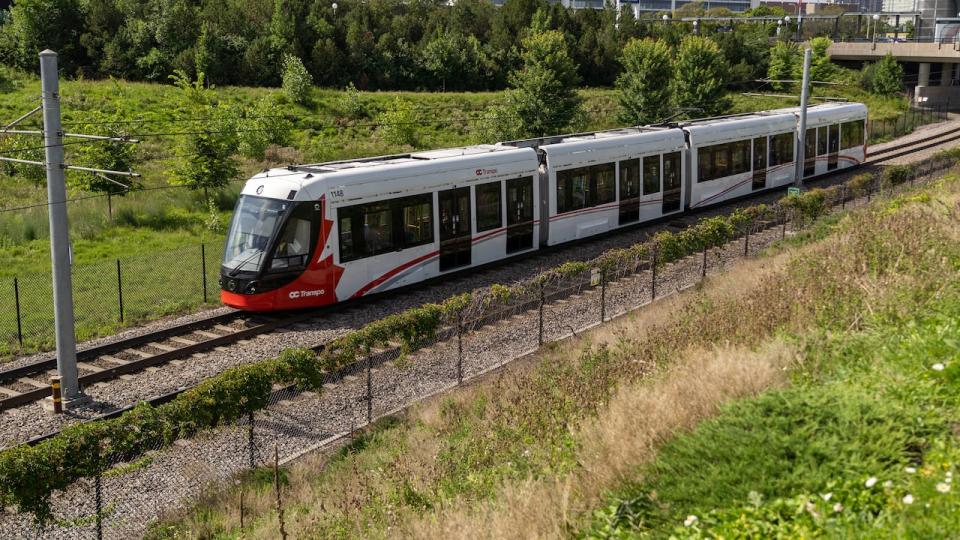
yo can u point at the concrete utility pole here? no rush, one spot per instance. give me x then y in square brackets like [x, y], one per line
[59, 231]
[802, 132]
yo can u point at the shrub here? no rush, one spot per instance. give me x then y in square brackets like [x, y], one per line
[644, 86]
[884, 77]
[352, 105]
[297, 81]
[897, 174]
[398, 123]
[261, 126]
[861, 184]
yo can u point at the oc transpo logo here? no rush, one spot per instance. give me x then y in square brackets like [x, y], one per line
[481, 172]
[306, 294]
[259, 190]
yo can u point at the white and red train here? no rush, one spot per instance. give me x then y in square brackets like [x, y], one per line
[314, 235]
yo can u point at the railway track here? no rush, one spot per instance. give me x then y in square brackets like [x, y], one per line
[910, 147]
[28, 383]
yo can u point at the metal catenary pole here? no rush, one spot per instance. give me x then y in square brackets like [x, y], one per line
[59, 231]
[802, 131]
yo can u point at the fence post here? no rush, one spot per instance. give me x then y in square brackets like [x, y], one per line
[276, 486]
[843, 196]
[540, 309]
[653, 278]
[98, 496]
[16, 296]
[746, 242]
[603, 294]
[703, 270]
[120, 290]
[251, 447]
[459, 347]
[203, 268]
[369, 388]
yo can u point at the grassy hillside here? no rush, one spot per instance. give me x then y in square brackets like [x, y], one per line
[757, 405]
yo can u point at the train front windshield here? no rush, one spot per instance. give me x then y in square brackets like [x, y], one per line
[254, 222]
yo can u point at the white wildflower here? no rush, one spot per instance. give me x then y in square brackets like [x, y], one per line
[911, 470]
[938, 366]
[826, 496]
[888, 484]
[943, 487]
[838, 507]
[908, 499]
[872, 481]
[691, 519]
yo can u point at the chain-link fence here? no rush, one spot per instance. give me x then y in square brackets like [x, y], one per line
[108, 294]
[496, 326]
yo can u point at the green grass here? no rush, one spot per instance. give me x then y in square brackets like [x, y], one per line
[869, 403]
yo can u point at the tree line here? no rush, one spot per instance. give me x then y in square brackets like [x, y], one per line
[376, 45]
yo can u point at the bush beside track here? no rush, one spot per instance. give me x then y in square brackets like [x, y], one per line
[29, 475]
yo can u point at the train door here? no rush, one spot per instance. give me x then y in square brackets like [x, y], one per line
[519, 214]
[455, 240]
[810, 152]
[630, 191]
[759, 163]
[833, 147]
[672, 182]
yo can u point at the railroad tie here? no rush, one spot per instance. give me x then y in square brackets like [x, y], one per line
[209, 335]
[138, 352]
[89, 367]
[9, 392]
[113, 360]
[226, 329]
[32, 382]
[183, 341]
[161, 346]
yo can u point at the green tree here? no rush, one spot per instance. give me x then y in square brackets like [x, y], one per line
[644, 85]
[884, 77]
[783, 64]
[297, 81]
[205, 155]
[699, 81]
[821, 69]
[544, 96]
[35, 25]
[443, 58]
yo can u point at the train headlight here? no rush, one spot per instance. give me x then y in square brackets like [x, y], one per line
[232, 285]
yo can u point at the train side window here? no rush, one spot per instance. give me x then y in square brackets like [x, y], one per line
[572, 189]
[488, 198]
[781, 148]
[672, 181]
[604, 184]
[348, 241]
[704, 165]
[651, 175]
[630, 179]
[417, 223]
[377, 228]
[851, 134]
[821, 140]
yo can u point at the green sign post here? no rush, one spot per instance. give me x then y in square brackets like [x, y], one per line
[793, 191]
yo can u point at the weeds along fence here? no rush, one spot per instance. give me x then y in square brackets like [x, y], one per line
[108, 294]
[905, 122]
[110, 478]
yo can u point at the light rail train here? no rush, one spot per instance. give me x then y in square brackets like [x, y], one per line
[314, 235]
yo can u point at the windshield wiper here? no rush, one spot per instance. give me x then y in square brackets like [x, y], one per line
[243, 263]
